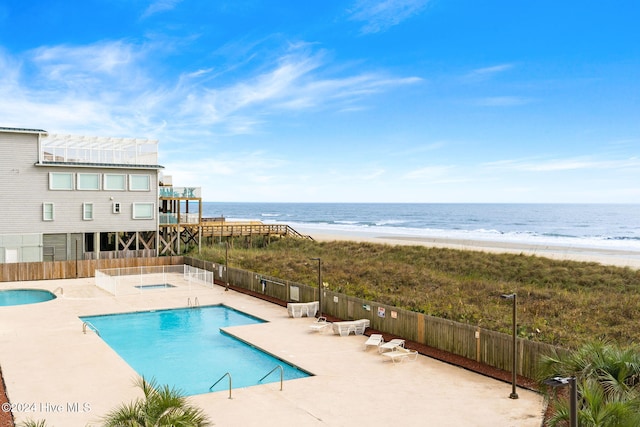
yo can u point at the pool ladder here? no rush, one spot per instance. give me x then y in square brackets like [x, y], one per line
[227, 374]
[281, 375]
[86, 325]
[59, 288]
[195, 304]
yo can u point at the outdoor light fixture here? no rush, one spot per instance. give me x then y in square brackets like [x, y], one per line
[514, 366]
[319, 286]
[573, 398]
[226, 265]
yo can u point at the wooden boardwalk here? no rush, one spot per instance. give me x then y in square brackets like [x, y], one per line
[248, 229]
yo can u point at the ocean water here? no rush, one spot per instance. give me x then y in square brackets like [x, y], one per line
[605, 226]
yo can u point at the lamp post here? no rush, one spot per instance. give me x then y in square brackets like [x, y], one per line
[319, 286]
[226, 265]
[573, 398]
[514, 366]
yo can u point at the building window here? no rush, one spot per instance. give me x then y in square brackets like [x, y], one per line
[139, 182]
[116, 207]
[115, 182]
[47, 211]
[88, 181]
[143, 210]
[87, 211]
[60, 181]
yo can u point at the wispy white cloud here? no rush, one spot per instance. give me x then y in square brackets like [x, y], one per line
[111, 87]
[160, 6]
[380, 15]
[398, 151]
[485, 73]
[501, 101]
[429, 173]
[568, 164]
[294, 82]
[72, 63]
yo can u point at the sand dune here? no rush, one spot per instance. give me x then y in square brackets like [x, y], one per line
[619, 258]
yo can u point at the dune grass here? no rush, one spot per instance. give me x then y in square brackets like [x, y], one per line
[563, 303]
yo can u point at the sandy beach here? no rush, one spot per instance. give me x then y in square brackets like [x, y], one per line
[620, 258]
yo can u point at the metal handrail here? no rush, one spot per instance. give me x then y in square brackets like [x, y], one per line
[91, 326]
[59, 288]
[214, 384]
[281, 375]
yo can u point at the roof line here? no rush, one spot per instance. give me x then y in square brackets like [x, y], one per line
[23, 130]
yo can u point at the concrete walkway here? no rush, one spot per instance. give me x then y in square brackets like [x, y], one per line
[54, 371]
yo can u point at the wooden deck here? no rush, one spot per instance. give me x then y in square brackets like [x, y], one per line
[229, 229]
[174, 237]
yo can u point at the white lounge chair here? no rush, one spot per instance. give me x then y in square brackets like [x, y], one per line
[391, 345]
[344, 328]
[401, 354]
[299, 309]
[320, 325]
[375, 340]
[361, 325]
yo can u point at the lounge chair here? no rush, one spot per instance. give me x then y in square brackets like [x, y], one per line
[344, 328]
[361, 325]
[375, 340]
[401, 354]
[391, 345]
[320, 325]
[299, 309]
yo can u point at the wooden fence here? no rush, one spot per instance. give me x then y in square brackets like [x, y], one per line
[485, 346]
[27, 271]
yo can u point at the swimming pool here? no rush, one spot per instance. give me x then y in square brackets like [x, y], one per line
[24, 296]
[186, 349]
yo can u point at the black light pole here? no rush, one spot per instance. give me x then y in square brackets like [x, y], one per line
[573, 391]
[514, 366]
[319, 286]
[226, 265]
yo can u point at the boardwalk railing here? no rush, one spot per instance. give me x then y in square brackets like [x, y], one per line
[220, 229]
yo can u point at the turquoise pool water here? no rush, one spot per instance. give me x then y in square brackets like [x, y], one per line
[24, 296]
[158, 286]
[186, 349]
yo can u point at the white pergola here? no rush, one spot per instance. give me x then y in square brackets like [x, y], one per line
[97, 150]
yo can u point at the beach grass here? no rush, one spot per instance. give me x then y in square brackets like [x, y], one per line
[565, 303]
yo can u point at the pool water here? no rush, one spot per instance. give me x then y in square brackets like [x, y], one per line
[24, 296]
[185, 348]
[158, 286]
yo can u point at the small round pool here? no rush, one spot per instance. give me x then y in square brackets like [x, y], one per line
[24, 296]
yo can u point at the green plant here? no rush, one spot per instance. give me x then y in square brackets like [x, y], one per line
[563, 303]
[608, 384]
[33, 423]
[161, 406]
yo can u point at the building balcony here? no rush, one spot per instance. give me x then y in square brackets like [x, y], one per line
[86, 150]
[180, 192]
[172, 218]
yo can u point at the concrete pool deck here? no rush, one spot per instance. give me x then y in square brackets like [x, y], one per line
[53, 371]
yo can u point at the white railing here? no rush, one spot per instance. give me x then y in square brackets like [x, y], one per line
[101, 150]
[185, 218]
[135, 280]
[180, 192]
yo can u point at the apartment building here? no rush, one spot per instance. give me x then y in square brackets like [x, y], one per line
[68, 197]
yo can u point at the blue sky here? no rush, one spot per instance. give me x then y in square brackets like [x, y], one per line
[343, 101]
